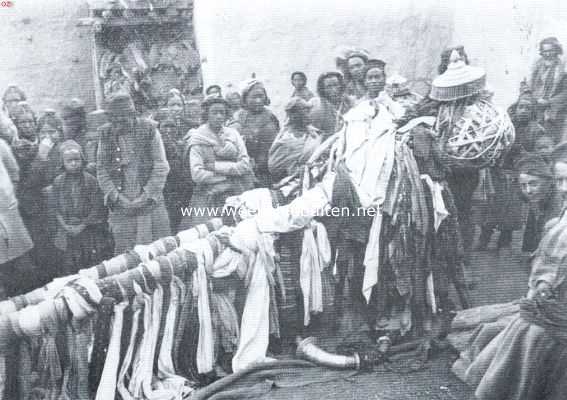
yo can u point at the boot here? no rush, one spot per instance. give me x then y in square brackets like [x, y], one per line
[484, 238]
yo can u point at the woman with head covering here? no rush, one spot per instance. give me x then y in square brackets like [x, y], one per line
[176, 110]
[131, 170]
[218, 164]
[81, 235]
[38, 162]
[295, 143]
[330, 104]
[258, 126]
[50, 132]
[536, 184]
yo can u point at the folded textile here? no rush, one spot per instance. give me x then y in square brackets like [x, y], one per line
[315, 257]
[107, 385]
[296, 214]
[137, 307]
[205, 347]
[255, 323]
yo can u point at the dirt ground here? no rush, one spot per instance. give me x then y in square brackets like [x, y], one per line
[497, 277]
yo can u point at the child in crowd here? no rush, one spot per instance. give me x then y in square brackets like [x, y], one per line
[81, 235]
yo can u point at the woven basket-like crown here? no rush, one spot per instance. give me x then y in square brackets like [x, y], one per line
[459, 81]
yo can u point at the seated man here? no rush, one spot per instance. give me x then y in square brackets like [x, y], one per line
[527, 360]
[536, 183]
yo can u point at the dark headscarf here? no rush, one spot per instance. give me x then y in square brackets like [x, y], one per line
[247, 87]
[209, 101]
[552, 40]
[14, 88]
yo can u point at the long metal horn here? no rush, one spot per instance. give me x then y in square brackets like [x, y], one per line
[307, 350]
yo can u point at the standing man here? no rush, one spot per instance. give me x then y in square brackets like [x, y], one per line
[330, 105]
[132, 169]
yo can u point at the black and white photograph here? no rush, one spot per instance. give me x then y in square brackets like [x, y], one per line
[267, 199]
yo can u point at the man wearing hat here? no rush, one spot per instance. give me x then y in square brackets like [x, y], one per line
[536, 183]
[295, 143]
[258, 126]
[131, 170]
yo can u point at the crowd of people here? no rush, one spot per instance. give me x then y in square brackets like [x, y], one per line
[71, 197]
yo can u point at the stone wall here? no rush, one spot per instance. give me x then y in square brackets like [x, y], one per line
[45, 53]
